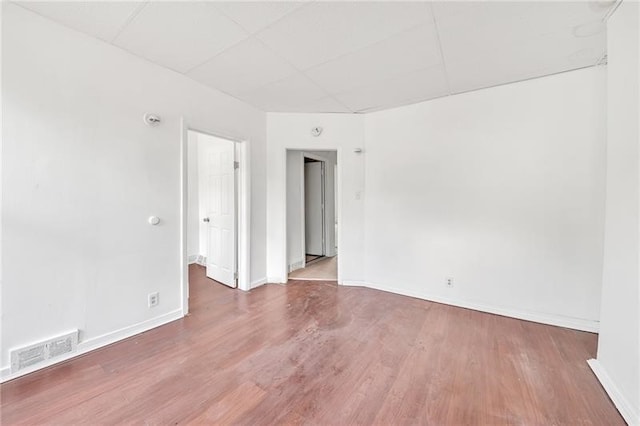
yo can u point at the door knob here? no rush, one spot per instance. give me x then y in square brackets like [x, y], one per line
[206, 219]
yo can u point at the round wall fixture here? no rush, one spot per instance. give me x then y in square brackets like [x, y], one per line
[316, 131]
[151, 120]
[154, 220]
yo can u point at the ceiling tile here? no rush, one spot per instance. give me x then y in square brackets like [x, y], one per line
[532, 17]
[98, 19]
[503, 62]
[502, 70]
[289, 93]
[408, 51]
[322, 31]
[507, 42]
[179, 35]
[413, 87]
[243, 67]
[336, 56]
[255, 15]
[495, 27]
[327, 104]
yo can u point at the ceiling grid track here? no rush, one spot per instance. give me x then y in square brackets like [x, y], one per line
[131, 17]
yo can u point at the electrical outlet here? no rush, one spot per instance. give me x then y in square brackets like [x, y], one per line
[154, 299]
[448, 282]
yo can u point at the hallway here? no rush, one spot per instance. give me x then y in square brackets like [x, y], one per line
[322, 270]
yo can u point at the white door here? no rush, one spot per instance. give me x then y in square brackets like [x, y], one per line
[314, 207]
[217, 174]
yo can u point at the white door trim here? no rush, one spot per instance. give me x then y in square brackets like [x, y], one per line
[303, 213]
[244, 209]
[330, 223]
[311, 153]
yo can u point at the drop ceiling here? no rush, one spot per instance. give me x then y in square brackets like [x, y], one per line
[348, 56]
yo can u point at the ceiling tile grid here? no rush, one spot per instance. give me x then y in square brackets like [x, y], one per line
[348, 56]
[102, 20]
[246, 66]
[179, 35]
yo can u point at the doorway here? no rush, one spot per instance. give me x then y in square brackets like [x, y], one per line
[314, 205]
[214, 211]
[311, 215]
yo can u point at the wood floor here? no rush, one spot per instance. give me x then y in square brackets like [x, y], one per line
[313, 352]
[323, 269]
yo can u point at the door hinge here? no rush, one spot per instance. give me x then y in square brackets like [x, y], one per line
[236, 164]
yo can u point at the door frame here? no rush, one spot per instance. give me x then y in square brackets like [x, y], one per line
[314, 154]
[303, 211]
[243, 205]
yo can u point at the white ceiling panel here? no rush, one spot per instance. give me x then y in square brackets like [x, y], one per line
[289, 93]
[243, 67]
[408, 51]
[531, 17]
[347, 56]
[256, 15]
[327, 104]
[499, 69]
[504, 28]
[322, 31]
[509, 42]
[416, 86]
[99, 19]
[179, 35]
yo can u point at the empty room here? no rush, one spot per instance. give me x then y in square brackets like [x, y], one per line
[320, 212]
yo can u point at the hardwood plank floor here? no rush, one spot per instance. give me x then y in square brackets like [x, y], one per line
[317, 353]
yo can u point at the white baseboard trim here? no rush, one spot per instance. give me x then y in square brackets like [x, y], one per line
[277, 280]
[296, 265]
[353, 283]
[630, 413]
[258, 283]
[543, 318]
[96, 343]
[192, 259]
[311, 279]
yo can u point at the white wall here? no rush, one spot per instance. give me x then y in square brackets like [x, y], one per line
[501, 189]
[343, 133]
[618, 364]
[295, 206]
[82, 173]
[295, 249]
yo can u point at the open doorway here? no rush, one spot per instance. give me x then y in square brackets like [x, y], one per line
[212, 207]
[232, 258]
[311, 215]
